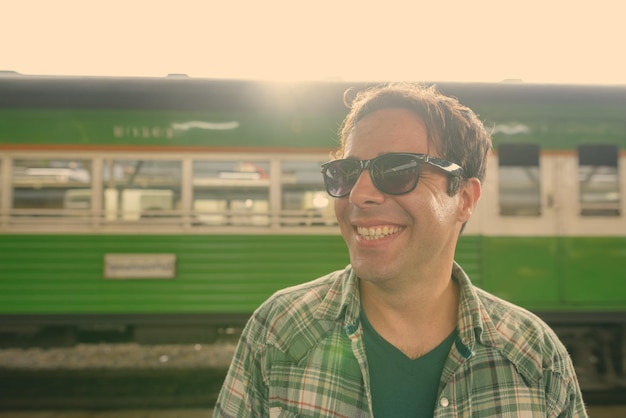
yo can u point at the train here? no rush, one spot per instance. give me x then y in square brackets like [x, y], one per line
[168, 208]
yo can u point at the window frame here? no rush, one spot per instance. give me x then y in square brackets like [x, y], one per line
[184, 216]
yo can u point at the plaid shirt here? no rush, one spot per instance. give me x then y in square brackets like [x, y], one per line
[302, 354]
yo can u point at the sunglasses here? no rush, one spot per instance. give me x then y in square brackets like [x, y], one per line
[393, 173]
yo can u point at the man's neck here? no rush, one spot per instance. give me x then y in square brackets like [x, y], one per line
[414, 318]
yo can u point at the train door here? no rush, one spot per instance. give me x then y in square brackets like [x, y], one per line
[552, 226]
[593, 236]
[520, 224]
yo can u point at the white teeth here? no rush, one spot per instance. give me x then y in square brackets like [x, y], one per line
[376, 233]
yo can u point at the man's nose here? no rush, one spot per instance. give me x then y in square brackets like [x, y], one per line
[365, 191]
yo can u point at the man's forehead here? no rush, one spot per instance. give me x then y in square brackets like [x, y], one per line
[387, 125]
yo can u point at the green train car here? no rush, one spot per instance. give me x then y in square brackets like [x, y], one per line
[169, 208]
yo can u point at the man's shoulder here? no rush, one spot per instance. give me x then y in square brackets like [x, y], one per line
[304, 312]
[512, 321]
[522, 335]
[295, 299]
[502, 311]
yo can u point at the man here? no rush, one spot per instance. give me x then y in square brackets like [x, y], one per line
[401, 331]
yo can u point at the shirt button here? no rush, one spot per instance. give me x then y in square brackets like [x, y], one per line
[465, 341]
[444, 402]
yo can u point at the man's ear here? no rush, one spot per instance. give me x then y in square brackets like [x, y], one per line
[469, 193]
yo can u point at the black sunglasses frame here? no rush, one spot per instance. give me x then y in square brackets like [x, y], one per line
[450, 168]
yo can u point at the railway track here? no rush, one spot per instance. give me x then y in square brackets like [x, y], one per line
[109, 389]
[131, 376]
[120, 389]
[605, 397]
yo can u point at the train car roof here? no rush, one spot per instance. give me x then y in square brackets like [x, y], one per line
[184, 93]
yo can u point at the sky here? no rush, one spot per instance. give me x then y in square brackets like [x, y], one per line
[534, 41]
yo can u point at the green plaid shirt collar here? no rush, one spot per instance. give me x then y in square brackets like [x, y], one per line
[475, 324]
[342, 303]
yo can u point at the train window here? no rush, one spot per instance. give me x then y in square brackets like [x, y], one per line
[304, 198]
[231, 192]
[141, 189]
[598, 180]
[519, 180]
[51, 187]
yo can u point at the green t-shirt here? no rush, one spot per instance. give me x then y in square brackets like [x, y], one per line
[402, 387]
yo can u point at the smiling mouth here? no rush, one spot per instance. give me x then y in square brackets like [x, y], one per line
[377, 232]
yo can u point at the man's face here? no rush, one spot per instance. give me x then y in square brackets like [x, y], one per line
[394, 238]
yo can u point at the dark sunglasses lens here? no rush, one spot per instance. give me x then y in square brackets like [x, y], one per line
[396, 174]
[340, 176]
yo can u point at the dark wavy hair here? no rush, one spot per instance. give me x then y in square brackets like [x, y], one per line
[453, 129]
